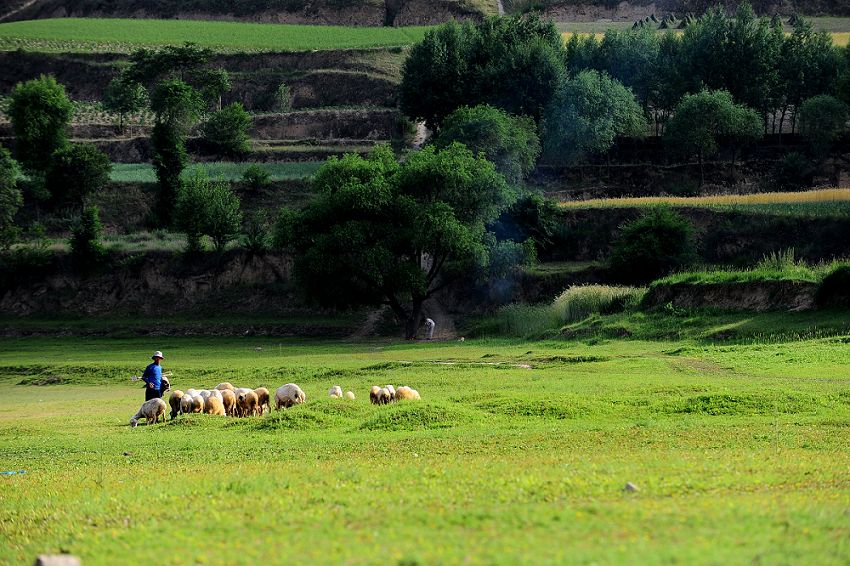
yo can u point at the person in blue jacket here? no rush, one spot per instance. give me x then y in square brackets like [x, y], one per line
[153, 377]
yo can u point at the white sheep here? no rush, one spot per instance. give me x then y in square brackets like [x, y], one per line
[405, 393]
[205, 394]
[151, 410]
[192, 392]
[174, 402]
[335, 392]
[224, 385]
[217, 394]
[186, 404]
[349, 395]
[391, 389]
[288, 395]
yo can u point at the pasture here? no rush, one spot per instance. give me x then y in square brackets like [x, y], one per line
[117, 34]
[518, 452]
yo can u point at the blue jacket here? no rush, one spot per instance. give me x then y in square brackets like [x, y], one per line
[153, 374]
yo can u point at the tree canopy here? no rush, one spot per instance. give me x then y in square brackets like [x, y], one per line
[587, 114]
[380, 232]
[513, 63]
[10, 198]
[75, 172]
[40, 113]
[511, 143]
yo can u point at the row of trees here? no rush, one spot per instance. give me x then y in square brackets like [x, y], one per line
[725, 81]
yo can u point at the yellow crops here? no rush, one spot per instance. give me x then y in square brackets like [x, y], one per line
[819, 196]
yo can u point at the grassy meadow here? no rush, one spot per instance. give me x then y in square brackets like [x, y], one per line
[224, 170]
[119, 33]
[518, 452]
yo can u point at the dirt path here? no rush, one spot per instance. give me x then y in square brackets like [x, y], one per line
[29, 3]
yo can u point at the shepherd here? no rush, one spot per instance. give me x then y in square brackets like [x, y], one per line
[153, 378]
[430, 325]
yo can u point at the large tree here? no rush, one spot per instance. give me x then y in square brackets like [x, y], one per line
[588, 114]
[383, 233]
[40, 113]
[510, 142]
[703, 120]
[513, 63]
[75, 172]
[823, 120]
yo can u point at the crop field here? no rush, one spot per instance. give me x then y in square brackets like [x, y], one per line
[224, 170]
[123, 34]
[518, 452]
[820, 202]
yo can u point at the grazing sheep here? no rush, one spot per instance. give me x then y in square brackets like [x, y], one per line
[151, 410]
[174, 401]
[204, 393]
[224, 385]
[217, 394]
[228, 398]
[335, 392]
[386, 397]
[197, 404]
[349, 395]
[262, 399]
[186, 403]
[288, 395]
[192, 392]
[247, 403]
[375, 395]
[391, 389]
[405, 393]
[213, 406]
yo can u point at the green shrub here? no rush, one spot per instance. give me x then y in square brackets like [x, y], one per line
[76, 171]
[257, 239]
[834, 290]
[224, 215]
[283, 98]
[794, 172]
[40, 113]
[256, 178]
[10, 199]
[658, 242]
[87, 252]
[580, 301]
[207, 208]
[226, 131]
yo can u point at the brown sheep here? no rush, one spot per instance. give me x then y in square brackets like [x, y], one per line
[213, 406]
[375, 395]
[262, 399]
[197, 404]
[229, 400]
[247, 403]
[226, 385]
[174, 401]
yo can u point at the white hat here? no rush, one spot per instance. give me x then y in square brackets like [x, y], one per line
[157, 354]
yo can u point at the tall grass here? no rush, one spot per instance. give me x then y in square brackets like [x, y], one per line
[775, 266]
[227, 171]
[580, 301]
[835, 195]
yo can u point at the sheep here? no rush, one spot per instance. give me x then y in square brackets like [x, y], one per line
[335, 392]
[197, 404]
[375, 395]
[229, 401]
[217, 394]
[247, 403]
[186, 403]
[204, 393]
[262, 399]
[386, 397]
[192, 392]
[405, 393]
[288, 395]
[174, 401]
[349, 395]
[213, 406]
[151, 410]
[391, 389]
[225, 385]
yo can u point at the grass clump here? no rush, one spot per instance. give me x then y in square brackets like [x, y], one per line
[742, 405]
[417, 416]
[580, 301]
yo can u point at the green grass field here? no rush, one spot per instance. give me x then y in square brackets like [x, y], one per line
[518, 452]
[117, 34]
[228, 171]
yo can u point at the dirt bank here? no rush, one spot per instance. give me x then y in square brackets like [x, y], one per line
[757, 296]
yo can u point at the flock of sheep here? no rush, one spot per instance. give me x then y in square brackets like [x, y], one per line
[226, 400]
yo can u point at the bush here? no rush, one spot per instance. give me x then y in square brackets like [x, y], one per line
[87, 253]
[226, 131]
[257, 239]
[207, 208]
[283, 98]
[526, 321]
[40, 112]
[533, 218]
[580, 301]
[10, 199]
[256, 178]
[834, 290]
[75, 172]
[823, 119]
[794, 172]
[655, 244]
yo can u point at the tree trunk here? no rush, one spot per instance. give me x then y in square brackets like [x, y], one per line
[411, 326]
